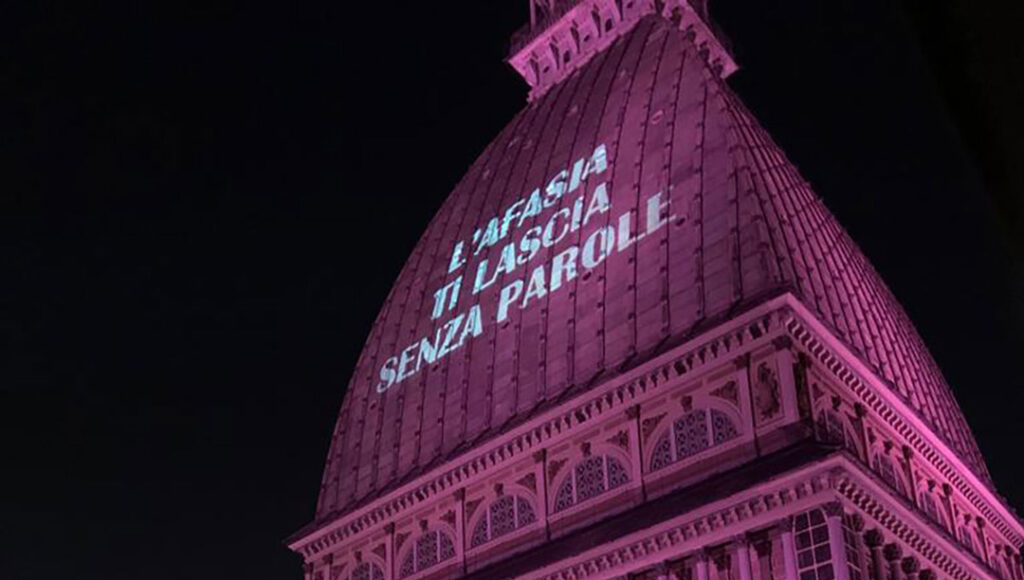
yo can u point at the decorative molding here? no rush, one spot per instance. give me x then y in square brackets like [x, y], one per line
[687, 535]
[723, 343]
[648, 425]
[554, 467]
[471, 507]
[885, 413]
[728, 392]
[529, 482]
[620, 439]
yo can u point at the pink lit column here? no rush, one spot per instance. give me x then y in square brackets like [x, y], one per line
[701, 566]
[741, 551]
[834, 520]
[788, 549]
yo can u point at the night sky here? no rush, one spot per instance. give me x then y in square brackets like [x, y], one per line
[204, 207]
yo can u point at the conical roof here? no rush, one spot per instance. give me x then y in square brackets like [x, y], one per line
[734, 225]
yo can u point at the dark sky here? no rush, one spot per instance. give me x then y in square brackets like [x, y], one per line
[204, 206]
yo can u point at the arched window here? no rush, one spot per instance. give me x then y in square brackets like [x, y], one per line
[813, 554]
[692, 434]
[966, 538]
[886, 468]
[832, 429]
[430, 549]
[927, 502]
[854, 548]
[504, 515]
[590, 478]
[367, 571]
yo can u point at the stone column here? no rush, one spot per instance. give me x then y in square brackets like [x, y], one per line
[908, 468]
[787, 381]
[873, 539]
[664, 572]
[307, 571]
[893, 553]
[834, 520]
[460, 526]
[762, 551]
[701, 565]
[328, 564]
[947, 505]
[389, 551]
[862, 432]
[636, 450]
[983, 552]
[927, 574]
[741, 551]
[788, 548]
[540, 470]
[743, 386]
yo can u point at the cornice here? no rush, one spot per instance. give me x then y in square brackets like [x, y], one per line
[859, 495]
[874, 394]
[723, 342]
[782, 316]
[765, 504]
[760, 506]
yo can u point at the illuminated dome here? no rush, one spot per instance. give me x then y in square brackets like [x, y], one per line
[633, 204]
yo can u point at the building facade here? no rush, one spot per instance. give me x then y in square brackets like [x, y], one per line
[633, 343]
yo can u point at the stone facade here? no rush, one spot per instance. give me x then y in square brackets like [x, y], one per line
[826, 477]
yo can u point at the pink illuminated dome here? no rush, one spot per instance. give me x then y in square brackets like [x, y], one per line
[630, 228]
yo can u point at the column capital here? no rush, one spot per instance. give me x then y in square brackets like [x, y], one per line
[460, 494]
[782, 342]
[740, 539]
[540, 456]
[892, 552]
[742, 361]
[910, 565]
[785, 523]
[389, 528]
[833, 509]
[633, 411]
[873, 538]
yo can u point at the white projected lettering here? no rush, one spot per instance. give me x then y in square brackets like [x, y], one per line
[506, 267]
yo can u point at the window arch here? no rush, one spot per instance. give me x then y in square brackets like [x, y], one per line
[931, 507]
[505, 515]
[814, 557]
[692, 434]
[966, 538]
[367, 571]
[888, 469]
[832, 428]
[590, 478]
[429, 550]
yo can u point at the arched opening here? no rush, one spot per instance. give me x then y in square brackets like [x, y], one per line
[428, 550]
[588, 479]
[692, 434]
[503, 516]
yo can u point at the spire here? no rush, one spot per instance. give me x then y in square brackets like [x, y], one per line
[563, 35]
